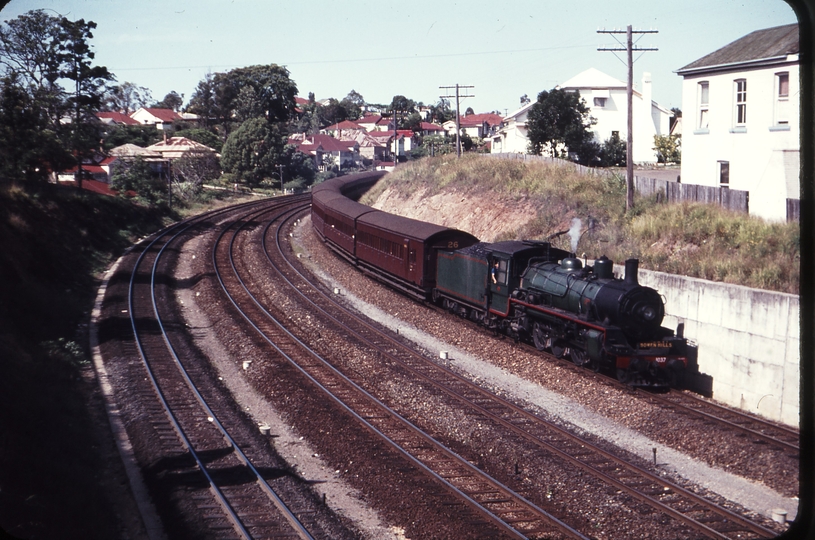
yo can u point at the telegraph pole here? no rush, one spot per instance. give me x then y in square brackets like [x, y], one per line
[458, 119]
[629, 151]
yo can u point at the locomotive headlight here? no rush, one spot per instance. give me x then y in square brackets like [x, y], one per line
[648, 313]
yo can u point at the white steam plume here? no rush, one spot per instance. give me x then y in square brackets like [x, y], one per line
[574, 232]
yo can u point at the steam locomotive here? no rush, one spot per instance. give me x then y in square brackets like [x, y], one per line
[528, 290]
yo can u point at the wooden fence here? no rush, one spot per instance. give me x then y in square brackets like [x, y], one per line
[732, 199]
[667, 190]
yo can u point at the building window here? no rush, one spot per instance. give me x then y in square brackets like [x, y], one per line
[782, 99]
[703, 96]
[741, 102]
[724, 174]
[600, 102]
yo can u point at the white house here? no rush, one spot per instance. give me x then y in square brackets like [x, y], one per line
[512, 137]
[162, 118]
[607, 101]
[741, 103]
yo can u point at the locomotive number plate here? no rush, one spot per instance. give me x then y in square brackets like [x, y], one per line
[655, 345]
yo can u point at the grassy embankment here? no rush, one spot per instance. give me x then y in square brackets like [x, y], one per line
[689, 239]
[56, 241]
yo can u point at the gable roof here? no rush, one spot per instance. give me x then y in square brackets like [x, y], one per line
[165, 115]
[345, 124]
[593, 78]
[491, 119]
[132, 150]
[111, 117]
[768, 44]
[176, 146]
[427, 126]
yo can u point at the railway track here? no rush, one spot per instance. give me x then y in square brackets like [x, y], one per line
[755, 428]
[700, 515]
[486, 499]
[202, 439]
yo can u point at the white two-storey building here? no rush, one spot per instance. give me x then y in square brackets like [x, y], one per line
[741, 130]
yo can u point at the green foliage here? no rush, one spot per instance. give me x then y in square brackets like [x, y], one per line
[171, 101]
[141, 135]
[559, 125]
[136, 175]
[40, 53]
[613, 152]
[203, 136]
[126, 98]
[253, 151]
[692, 239]
[241, 94]
[668, 148]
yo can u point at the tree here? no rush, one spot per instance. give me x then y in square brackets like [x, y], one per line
[136, 175]
[253, 151]
[172, 101]
[613, 153]
[194, 168]
[140, 135]
[353, 104]
[668, 148]
[525, 99]
[559, 123]
[88, 81]
[203, 136]
[243, 93]
[126, 98]
[28, 144]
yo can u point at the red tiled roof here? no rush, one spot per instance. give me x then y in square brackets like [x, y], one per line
[117, 118]
[165, 115]
[427, 126]
[300, 100]
[370, 119]
[345, 124]
[478, 119]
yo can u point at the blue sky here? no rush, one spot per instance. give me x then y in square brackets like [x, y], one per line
[384, 48]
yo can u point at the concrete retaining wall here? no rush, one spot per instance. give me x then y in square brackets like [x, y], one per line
[748, 340]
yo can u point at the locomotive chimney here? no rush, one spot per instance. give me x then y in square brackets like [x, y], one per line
[631, 267]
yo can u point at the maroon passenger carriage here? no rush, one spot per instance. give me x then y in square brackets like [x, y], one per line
[396, 250]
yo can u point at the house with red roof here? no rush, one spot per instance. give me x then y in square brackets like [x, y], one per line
[325, 149]
[162, 118]
[345, 125]
[475, 125]
[428, 128]
[116, 118]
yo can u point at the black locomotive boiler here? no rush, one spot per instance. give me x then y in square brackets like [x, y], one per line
[529, 290]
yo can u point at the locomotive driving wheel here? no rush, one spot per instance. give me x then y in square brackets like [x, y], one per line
[623, 375]
[539, 337]
[558, 348]
[579, 356]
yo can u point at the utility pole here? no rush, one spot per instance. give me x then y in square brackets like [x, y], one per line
[458, 119]
[629, 154]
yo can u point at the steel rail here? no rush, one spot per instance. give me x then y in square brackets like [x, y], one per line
[393, 343]
[229, 510]
[553, 521]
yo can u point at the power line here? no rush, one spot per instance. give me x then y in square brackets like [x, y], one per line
[348, 60]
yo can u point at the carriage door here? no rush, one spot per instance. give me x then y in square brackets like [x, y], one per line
[410, 259]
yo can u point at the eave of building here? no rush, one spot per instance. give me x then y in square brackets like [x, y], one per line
[787, 59]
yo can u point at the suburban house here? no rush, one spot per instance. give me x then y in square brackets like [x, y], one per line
[175, 147]
[370, 148]
[116, 118]
[479, 126]
[162, 118]
[128, 152]
[345, 125]
[606, 98]
[512, 136]
[325, 148]
[742, 106]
